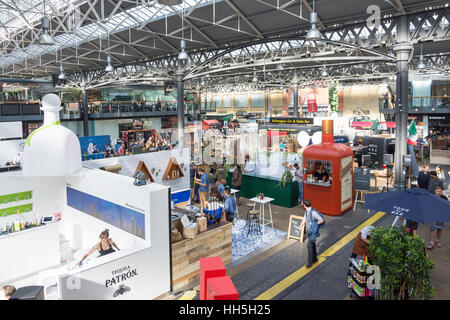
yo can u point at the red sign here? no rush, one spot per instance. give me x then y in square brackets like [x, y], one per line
[312, 103]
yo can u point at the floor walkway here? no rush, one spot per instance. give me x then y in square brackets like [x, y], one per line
[279, 272]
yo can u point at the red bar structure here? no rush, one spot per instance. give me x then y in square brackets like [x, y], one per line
[221, 288]
[210, 267]
[336, 197]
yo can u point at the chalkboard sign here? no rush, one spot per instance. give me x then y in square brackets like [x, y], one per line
[362, 178]
[294, 228]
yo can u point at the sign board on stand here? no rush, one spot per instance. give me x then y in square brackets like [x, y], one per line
[294, 230]
[362, 178]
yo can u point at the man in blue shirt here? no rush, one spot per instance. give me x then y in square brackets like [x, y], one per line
[221, 187]
[203, 189]
[312, 219]
[230, 205]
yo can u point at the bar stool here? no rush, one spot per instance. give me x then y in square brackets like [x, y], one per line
[250, 207]
[253, 224]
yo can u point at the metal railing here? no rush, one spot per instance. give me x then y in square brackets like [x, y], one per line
[420, 103]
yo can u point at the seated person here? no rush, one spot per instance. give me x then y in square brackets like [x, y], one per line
[320, 173]
[104, 247]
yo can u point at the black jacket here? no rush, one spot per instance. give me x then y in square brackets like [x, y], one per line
[423, 180]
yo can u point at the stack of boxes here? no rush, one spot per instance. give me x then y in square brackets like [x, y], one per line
[214, 284]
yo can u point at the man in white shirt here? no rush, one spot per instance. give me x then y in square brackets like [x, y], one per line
[298, 176]
[249, 165]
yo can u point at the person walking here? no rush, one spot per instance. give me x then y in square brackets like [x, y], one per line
[424, 177]
[434, 182]
[313, 220]
[436, 228]
[203, 188]
[236, 181]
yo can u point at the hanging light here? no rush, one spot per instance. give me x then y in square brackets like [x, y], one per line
[280, 67]
[61, 72]
[421, 64]
[202, 83]
[324, 73]
[255, 78]
[109, 67]
[182, 56]
[313, 33]
[45, 39]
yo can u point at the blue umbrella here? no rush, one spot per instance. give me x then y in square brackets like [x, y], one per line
[415, 204]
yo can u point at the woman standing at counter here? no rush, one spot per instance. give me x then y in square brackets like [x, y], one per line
[104, 247]
[320, 173]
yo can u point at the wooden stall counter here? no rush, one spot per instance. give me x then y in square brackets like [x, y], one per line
[186, 254]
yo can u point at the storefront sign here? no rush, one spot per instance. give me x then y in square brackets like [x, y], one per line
[312, 102]
[285, 120]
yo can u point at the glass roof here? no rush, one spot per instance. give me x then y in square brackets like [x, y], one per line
[23, 14]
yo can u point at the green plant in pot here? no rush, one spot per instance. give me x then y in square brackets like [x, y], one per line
[285, 178]
[404, 266]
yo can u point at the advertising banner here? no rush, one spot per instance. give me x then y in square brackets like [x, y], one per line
[312, 102]
[286, 120]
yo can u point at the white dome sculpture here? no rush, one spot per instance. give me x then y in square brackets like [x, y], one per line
[52, 149]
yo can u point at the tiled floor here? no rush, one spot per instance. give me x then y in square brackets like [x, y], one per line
[245, 244]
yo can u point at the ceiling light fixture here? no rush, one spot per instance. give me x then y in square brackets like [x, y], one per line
[109, 67]
[182, 56]
[421, 64]
[324, 73]
[255, 78]
[313, 33]
[45, 39]
[280, 67]
[61, 72]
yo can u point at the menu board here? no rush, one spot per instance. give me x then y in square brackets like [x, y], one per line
[294, 229]
[346, 183]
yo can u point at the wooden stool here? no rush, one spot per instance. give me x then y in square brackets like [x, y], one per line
[253, 224]
[362, 194]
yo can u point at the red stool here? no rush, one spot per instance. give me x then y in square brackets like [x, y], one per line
[210, 267]
[221, 288]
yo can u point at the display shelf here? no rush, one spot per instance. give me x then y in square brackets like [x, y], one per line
[321, 184]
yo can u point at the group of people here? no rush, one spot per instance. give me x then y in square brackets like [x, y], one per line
[202, 187]
[152, 142]
[434, 182]
[149, 144]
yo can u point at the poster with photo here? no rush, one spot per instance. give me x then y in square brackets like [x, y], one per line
[121, 217]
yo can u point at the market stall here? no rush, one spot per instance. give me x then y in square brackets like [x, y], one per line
[328, 174]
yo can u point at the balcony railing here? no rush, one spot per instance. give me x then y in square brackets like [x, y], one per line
[433, 104]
